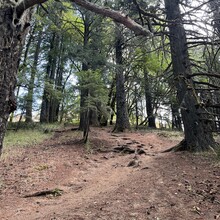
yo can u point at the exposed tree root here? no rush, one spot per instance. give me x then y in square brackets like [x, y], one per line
[182, 146]
[53, 192]
[123, 149]
[127, 150]
[119, 129]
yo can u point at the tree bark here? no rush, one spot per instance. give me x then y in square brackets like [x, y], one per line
[198, 135]
[122, 119]
[149, 104]
[12, 36]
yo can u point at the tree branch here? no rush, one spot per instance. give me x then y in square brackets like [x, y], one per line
[107, 12]
[25, 4]
[115, 15]
[207, 84]
[216, 75]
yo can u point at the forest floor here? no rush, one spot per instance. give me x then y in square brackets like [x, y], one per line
[65, 179]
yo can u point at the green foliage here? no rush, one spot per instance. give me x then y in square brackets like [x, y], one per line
[52, 92]
[92, 81]
[70, 105]
[153, 62]
[72, 23]
[152, 65]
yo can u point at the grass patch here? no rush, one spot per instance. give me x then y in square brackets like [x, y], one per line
[16, 126]
[42, 167]
[28, 134]
[174, 135]
[24, 138]
[15, 141]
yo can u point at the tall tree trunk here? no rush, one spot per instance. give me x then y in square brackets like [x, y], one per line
[149, 104]
[23, 65]
[29, 101]
[112, 105]
[58, 88]
[111, 101]
[176, 118]
[11, 40]
[84, 91]
[122, 119]
[198, 136]
[45, 115]
[54, 65]
[83, 113]
[136, 107]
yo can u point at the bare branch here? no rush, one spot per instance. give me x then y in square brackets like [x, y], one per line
[216, 75]
[115, 15]
[195, 8]
[207, 84]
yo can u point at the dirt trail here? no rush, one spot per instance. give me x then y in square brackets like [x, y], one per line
[99, 184]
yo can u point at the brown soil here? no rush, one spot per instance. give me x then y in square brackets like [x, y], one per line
[93, 182]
